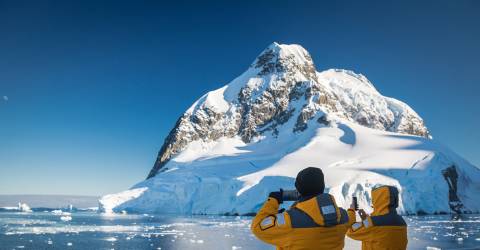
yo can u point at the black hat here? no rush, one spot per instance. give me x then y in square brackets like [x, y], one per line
[310, 181]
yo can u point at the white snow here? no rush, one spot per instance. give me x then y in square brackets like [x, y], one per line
[296, 51]
[213, 100]
[198, 150]
[239, 183]
[111, 201]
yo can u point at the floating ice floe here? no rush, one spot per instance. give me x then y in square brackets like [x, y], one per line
[60, 212]
[66, 218]
[23, 207]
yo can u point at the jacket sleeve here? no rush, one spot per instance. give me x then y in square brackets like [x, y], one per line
[267, 227]
[361, 230]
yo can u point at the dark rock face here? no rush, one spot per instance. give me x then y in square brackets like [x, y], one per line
[451, 177]
[290, 90]
[273, 107]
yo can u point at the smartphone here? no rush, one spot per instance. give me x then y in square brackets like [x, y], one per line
[355, 202]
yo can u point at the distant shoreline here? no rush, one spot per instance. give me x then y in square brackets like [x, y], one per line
[12, 200]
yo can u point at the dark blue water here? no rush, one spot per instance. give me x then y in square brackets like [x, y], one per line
[89, 230]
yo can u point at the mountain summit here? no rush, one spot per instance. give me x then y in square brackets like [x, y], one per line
[236, 144]
[280, 86]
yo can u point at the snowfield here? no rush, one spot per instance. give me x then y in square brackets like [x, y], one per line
[251, 137]
[353, 159]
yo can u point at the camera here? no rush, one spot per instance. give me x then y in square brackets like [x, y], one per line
[290, 195]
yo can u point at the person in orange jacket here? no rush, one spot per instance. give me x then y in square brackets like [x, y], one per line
[313, 222]
[384, 228]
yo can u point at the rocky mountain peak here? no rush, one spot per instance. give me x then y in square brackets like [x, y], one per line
[280, 58]
[282, 93]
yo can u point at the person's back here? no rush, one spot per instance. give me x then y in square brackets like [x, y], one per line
[384, 229]
[314, 222]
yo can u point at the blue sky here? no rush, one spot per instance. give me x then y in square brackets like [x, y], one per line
[94, 87]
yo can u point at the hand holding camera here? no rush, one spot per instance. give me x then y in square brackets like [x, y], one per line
[277, 196]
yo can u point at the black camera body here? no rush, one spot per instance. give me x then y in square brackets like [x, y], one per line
[290, 195]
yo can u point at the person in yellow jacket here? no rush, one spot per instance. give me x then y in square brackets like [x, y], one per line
[313, 222]
[384, 228]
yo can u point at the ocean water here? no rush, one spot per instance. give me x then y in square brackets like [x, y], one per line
[90, 230]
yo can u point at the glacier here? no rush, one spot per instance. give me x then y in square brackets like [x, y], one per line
[238, 143]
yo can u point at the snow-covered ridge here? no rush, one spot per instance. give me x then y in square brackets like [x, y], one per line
[282, 84]
[239, 142]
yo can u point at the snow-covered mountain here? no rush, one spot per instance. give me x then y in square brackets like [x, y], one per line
[238, 143]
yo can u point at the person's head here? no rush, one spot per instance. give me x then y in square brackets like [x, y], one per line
[310, 182]
[384, 199]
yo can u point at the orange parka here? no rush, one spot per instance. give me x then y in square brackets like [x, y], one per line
[316, 223]
[384, 228]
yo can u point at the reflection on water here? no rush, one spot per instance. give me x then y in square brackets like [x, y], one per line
[95, 231]
[87, 230]
[444, 231]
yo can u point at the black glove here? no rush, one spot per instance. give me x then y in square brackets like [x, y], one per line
[277, 196]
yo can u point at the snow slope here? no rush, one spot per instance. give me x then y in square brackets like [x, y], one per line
[240, 142]
[353, 158]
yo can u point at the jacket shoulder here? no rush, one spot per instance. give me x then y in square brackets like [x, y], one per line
[390, 219]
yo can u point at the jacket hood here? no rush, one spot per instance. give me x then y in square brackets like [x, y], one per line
[385, 200]
[314, 207]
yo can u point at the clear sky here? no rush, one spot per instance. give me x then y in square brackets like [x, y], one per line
[90, 89]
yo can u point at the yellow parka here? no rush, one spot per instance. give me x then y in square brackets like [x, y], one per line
[384, 228]
[316, 223]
